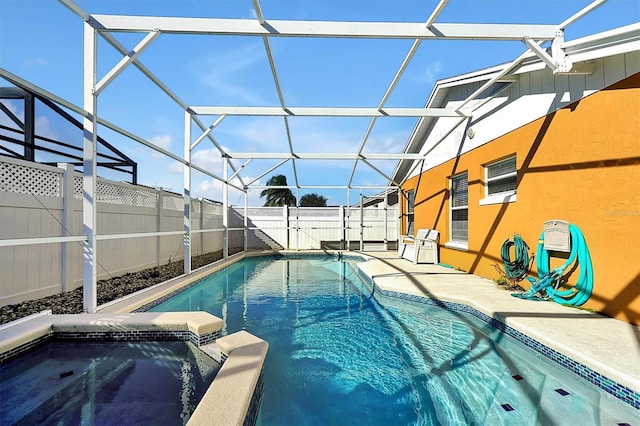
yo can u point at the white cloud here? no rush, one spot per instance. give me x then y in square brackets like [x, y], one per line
[431, 72]
[208, 159]
[162, 141]
[11, 106]
[42, 124]
[43, 128]
[219, 72]
[212, 189]
[36, 62]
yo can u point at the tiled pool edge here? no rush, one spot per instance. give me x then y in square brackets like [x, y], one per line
[610, 386]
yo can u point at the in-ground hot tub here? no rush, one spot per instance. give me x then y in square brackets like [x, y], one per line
[142, 368]
[86, 382]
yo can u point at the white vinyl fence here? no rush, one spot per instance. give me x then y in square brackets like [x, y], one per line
[305, 228]
[33, 205]
[40, 201]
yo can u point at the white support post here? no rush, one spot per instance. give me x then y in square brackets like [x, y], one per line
[160, 210]
[285, 217]
[343, 236]
[386, 223]
[67, 217]
[246, 220]
[348, 220]
[89, 217]
[187, 193]
[361, 222]
[225, 207]
[298, 218]
[202, 250]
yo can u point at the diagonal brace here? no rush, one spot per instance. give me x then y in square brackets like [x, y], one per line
[124, 62]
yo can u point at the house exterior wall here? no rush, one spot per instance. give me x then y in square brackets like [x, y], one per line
[535, 93]
[581, 164]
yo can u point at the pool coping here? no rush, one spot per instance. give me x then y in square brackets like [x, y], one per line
[240, 354]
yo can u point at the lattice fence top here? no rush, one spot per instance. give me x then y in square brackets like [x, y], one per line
[261, 211]
[30, 180]
[315, 212]
[77, 187]
[171, 202]
[125, 195]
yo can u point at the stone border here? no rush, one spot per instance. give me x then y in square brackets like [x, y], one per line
[235, 395]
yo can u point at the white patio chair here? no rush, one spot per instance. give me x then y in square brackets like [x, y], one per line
[423, 248]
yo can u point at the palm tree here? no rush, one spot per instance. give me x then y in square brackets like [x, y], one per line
[278, 197]
[313, 200]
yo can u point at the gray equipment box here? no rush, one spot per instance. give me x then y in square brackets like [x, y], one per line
[557, 236]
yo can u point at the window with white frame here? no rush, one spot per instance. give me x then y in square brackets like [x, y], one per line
[501, 180]
[411, 201]
[460, 209]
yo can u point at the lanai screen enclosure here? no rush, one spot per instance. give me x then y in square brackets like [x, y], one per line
[544, 41]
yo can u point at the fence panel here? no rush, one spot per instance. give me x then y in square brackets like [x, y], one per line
[32, 204]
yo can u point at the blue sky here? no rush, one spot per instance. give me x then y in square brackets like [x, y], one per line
[41, 41]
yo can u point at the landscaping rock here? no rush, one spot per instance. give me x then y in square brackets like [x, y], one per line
[108, 290]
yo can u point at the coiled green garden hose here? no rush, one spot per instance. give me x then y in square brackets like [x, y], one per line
[543, 287]
[518, 268]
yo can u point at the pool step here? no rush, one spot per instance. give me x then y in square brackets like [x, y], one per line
[568, 403]
[53, 392]
[516, 399]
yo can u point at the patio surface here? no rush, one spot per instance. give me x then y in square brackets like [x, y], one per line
[606, 345]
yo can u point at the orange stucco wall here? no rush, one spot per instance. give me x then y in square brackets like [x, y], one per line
[580, 164]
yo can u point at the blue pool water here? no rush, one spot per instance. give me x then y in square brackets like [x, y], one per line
[338, 356]
[105, 383]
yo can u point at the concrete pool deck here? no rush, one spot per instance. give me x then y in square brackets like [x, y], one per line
[606, 345]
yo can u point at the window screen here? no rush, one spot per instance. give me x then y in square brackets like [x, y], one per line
[502, 177]
[459, 208]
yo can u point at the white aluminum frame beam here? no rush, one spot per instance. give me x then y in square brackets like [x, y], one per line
[505, 70]
[143, 69]
[207, 131]
[394, 82]
[274, 111]
[14, 242]
[276, 80]
[436, 12]
[89, 174]
[323, 156]
[186, 193]
[85, 114]
[321, 29]
[325, 187]
[589, 8]
[124, 62]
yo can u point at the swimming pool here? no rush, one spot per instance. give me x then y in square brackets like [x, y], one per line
[339, 355]
[65, 383]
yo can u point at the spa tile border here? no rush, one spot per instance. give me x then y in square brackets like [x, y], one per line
[25, 347]
[111, 336]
